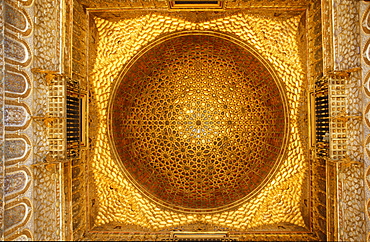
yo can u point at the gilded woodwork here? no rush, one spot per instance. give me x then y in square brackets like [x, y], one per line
[17, 179]
[113, 203]
[190, 122]
[164, 4]
[111, 189]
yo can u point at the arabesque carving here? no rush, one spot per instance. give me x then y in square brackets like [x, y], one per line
[130, 206]
[16, 116]
[17, 58]
[18, 213]
[207, 130]
[17, 83]
[17, 181]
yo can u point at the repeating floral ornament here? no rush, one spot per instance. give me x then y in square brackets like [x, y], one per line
[25, 3]
[365, 35]
[367, 115]
[17, 149]
[366, 52]
[17, 83]
[366, 84]
[18, 178]
[367, 146]
[367, 178]
[16, 50]
[18, 214]
[17, 20]
[17, 181]
[365, 20]
[16, 116]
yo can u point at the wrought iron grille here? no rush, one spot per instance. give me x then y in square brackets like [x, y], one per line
[322, 117]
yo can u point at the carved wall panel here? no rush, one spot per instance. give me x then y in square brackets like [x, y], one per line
[17, 118]
[2, 135]
[319, 165]
[78, 179]
[17, 51]
[17, 20]
[17, 148]
[365, 61]
[17, 181]
[17, 83]
[351, 218]
[48, 203]
[47, 170]
[46, 35]
[17, 214]
[342, 68]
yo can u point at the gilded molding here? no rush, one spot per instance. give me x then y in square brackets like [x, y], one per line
[22, 235]
[365, 21]
[365, 38]
[20, 145]
[17, 83]
[17, 51]
[18, 213]
[16, 115]
[25, 3]
[17, 181]
[17, 19]
[18, 28]
[366, 84]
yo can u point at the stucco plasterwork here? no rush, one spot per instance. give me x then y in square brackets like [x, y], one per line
[278, 202]
[365, 38]
[45, 196]
[18, 55]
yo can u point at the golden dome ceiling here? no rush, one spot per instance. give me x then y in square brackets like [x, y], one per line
[198, 122]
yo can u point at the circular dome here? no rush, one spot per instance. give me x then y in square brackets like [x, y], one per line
[198, 122]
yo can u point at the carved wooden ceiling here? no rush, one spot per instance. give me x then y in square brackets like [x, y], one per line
[228, 4]
[264, 180]
[118, 37]
[199, 122]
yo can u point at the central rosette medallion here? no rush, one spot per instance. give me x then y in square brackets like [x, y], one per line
[198, 123]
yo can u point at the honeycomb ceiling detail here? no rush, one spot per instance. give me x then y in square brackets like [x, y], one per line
[198, 122]
[117, 201]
